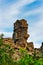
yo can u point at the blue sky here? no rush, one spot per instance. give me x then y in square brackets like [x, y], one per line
[31, 10]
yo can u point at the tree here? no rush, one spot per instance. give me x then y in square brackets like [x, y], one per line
[1, 36]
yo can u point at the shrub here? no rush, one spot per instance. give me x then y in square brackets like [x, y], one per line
[6, 53]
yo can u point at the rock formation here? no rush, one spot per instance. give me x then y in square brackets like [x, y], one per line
[20, 34]
[42, 46]
[30, 47]
[20, 37]
[41, 49]
[8, 41]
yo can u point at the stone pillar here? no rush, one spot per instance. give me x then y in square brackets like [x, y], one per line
[20, 35]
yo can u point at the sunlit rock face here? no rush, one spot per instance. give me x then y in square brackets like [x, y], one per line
[20, 35]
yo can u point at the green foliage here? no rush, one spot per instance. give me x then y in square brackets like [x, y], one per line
[1, 41]
[1, 36]
[27, 59]
[6, 53]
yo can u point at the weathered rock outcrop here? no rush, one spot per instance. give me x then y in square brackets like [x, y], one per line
[20, 37]
[30, 47]
[20, 34]
[8, 41]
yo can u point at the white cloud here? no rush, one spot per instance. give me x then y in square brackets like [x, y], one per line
[36, 29]
[7, 34]
[37, 45]
[14, 9]
[10, 14]
[34, 11]
[36, 33]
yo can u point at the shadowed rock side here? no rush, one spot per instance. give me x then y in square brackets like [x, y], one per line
[41, 49]
[42, 46]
